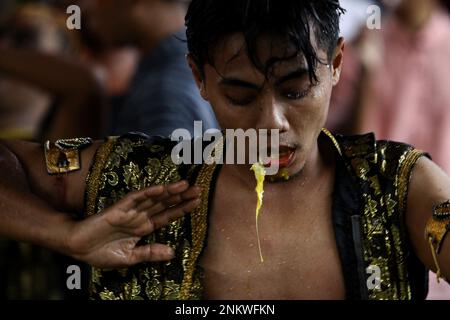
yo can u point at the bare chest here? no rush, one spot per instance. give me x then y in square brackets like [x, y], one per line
[298, 247]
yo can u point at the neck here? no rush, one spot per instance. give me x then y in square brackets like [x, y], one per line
[159, 24]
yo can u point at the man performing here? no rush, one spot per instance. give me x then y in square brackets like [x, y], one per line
[351, 205]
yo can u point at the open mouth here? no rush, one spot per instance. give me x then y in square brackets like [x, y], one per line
[285, 158]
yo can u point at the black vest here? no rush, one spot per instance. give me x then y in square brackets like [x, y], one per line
[369, 206]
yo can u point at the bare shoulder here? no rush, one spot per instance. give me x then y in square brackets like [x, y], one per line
[429, 186]
[63, 191]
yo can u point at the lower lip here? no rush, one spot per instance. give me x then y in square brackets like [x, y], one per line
[283, 161]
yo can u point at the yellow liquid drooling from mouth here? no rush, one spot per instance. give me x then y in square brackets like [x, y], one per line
[260, 174]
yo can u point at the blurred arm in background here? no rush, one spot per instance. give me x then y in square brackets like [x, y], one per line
[78, 93]
[44, 89]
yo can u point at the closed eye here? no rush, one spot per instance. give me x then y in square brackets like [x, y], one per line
[240, 101]
[296, 95]
[297, 92]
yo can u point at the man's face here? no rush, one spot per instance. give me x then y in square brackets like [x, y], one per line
[243, 98]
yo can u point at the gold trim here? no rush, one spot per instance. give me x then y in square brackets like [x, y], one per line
[404, 176]
[333, 139]
[436, 230]
[93, 178]
[403, 179]
[199, 226]
[93, 185]
[199, 220]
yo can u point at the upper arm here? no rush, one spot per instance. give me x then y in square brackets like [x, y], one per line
[65, 191]
[429, 186]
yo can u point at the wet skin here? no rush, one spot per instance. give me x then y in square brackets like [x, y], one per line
[298, 241]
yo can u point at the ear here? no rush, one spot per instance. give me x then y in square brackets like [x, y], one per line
[338, 60]
[199, 79]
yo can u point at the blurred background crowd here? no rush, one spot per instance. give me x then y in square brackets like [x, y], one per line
[125, 70]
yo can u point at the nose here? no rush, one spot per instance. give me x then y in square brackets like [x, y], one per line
[272, 114]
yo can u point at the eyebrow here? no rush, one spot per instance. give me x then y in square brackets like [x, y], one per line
[296, 74]
[235, 82]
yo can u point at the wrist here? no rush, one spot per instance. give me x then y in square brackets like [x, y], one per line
[59, 239]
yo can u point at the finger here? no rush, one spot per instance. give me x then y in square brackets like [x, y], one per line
[151, 253]
[192, 193]
[158, 193]
[171, 189]
[147, 222]
[133, 199]
[168, 216]
[178, 187]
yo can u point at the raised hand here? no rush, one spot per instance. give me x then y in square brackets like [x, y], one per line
[108, 239]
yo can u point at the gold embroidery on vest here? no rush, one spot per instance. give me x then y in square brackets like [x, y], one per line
[199, 227]
[94, 177]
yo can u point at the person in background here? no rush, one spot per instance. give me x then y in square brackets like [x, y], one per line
[395, 83]
[44, 91]
[40, 92]
[344, 100]
[162, 95]
[114, 68]
[408, 97]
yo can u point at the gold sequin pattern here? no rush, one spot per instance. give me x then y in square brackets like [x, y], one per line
[122, 165]
[93, 179]
[199, 229]
[383, 171]
[404, 176]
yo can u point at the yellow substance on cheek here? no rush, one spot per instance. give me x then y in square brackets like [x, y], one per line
[260, 174]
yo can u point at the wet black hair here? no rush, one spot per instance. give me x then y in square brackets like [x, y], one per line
[208, 21]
